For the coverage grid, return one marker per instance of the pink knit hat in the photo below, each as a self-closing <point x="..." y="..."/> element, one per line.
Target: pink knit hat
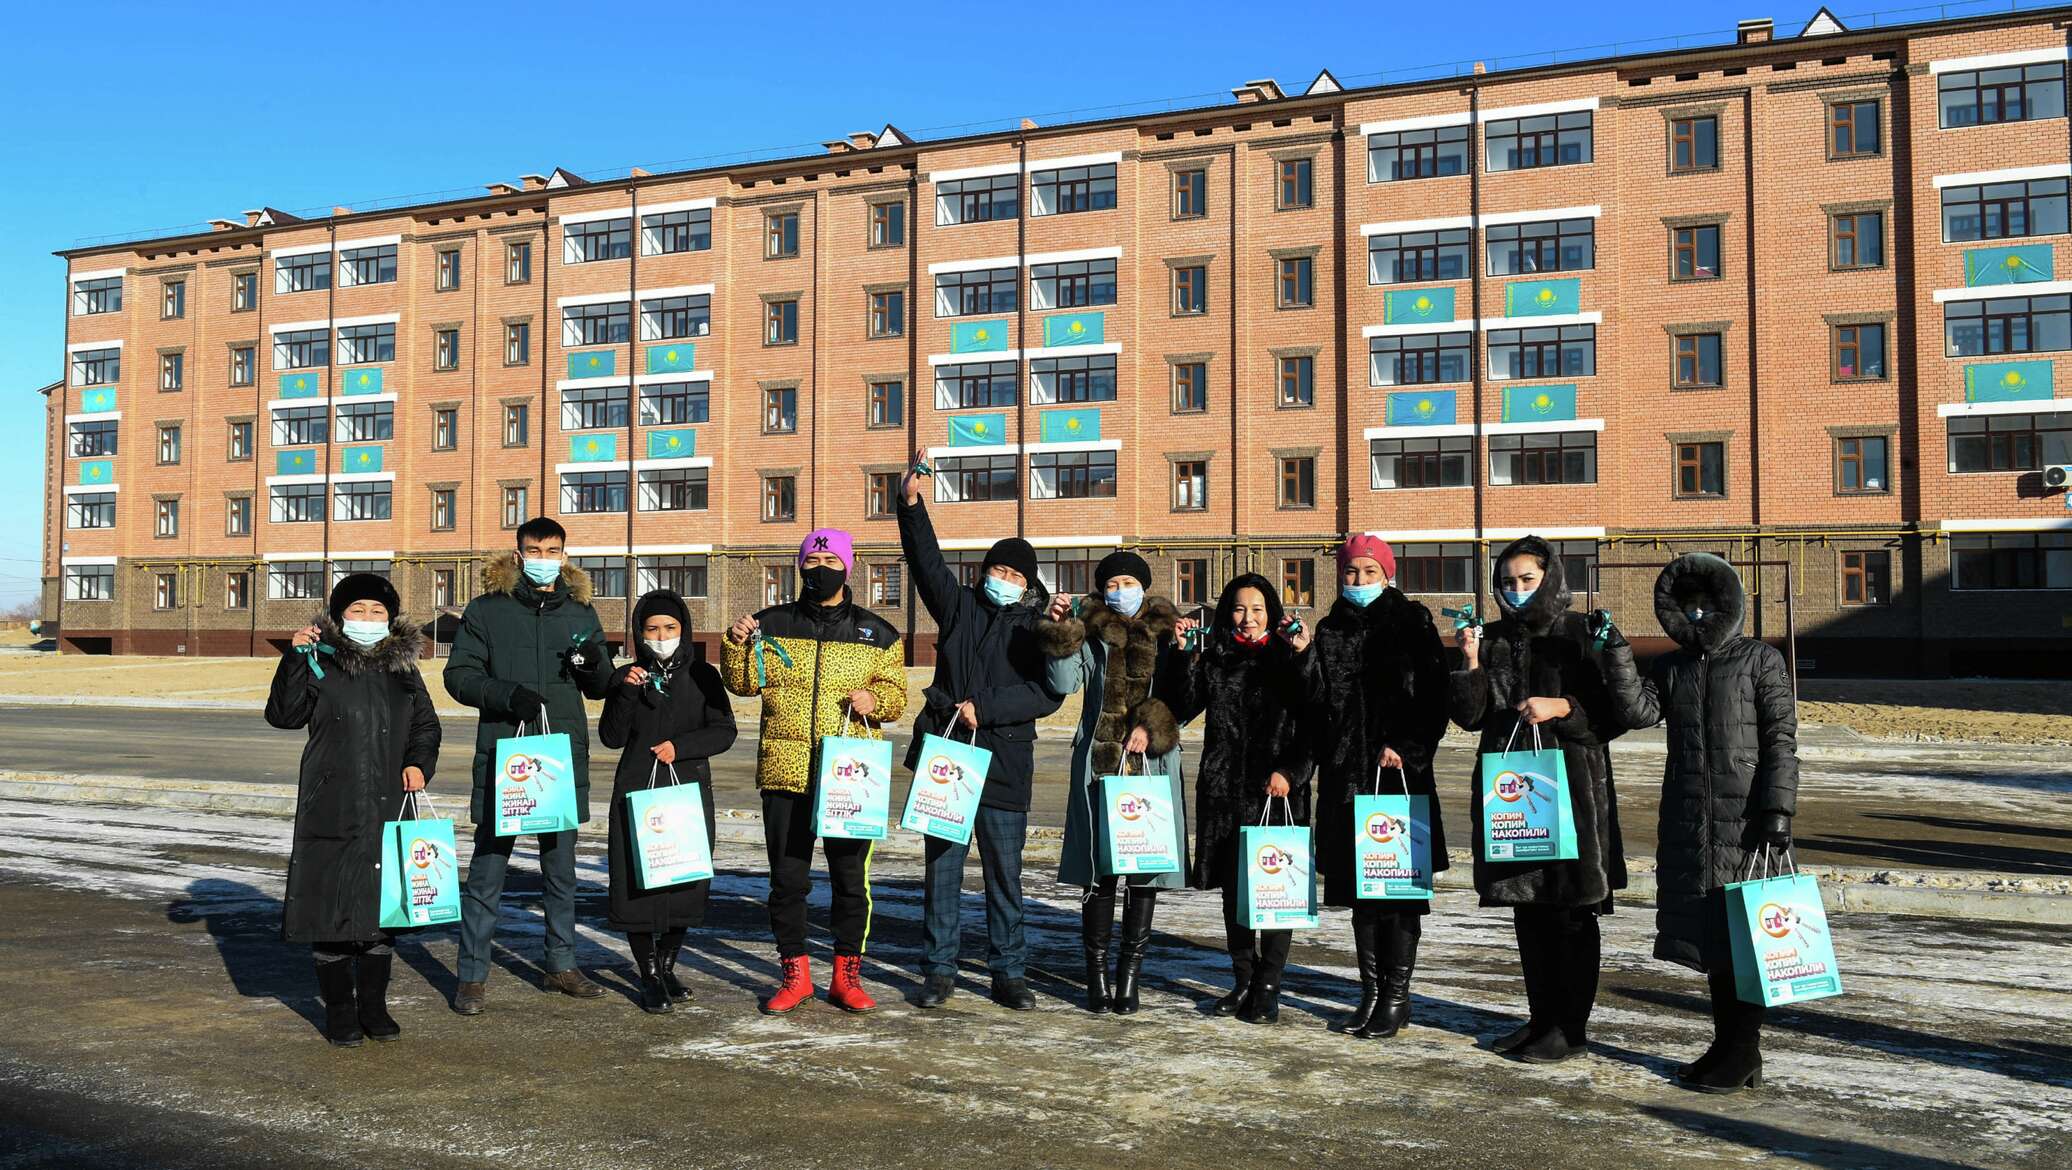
<point x="1365" y="545"/>
<point x="829" y="540"/>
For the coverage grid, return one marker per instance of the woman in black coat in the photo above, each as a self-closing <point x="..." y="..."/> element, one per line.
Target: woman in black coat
<point x="350" y="676"/>
<point x="670" y="715"/>
<point x="1247" y="680"/>
<point x="1377" y="688"/>
<point x="1730" y="785"/>
<point x="1537" y="667"/>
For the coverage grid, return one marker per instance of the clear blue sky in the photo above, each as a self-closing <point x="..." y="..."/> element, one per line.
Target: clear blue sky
<point x="140" y="116"/>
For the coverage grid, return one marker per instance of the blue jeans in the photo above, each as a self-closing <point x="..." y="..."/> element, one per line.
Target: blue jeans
<point x="1000" y="833"/>
<point x="484" y="891"/>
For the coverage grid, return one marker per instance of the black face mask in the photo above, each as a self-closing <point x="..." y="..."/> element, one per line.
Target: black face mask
<point x="821" y="582"/>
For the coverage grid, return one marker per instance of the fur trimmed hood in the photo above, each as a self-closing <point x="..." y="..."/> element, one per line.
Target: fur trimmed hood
<point x="1549" y="601"/>
<point x="502" y="573"/>
<point x="397" y="653"/>
<point x="1703" y="581"/>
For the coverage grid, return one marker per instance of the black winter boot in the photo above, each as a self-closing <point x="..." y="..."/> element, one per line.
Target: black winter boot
<point x="666" y="950"/>
<point x="1580" y="962"/>
<point x="341" y="1012"/>
<point x="1720" y="984"/>
<point x="1136" y="939"/>
<point x="1739" y="1064"/>
<point x="1263" y="1005"/>
<point x="1536" y="960"/>
<point x="370" y="984"/>
<point x="1398" y="964"/>
<point x="1243" y="944"/>
<point x="1366" y="949"/>
<point x="1096" y="928"/>
<point x="654" y="998"/>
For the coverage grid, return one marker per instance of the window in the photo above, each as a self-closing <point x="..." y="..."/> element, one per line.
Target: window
<point x="446" y="349"/>
<point x="1565" y="245"/>
<point x="341" y="569"/>
<point x="592" y="408"/>
<point x="1298" y="583"/>
<point x="517" y="343"/>
<point x="239" y="447"/>
<point x="780" y="585"/>
<point x="96" y="367"/>
<point x="1068" y="570"/>
<point x="442" y="588"/>
<point x="974" y="478"/>
<point x="366" y="422"/>
<point x="1695" y="358"/>
<point x="301" y="349"/>
<point x="674" y="403"/>
<point x="1298" y="481"/>
<point x="237" y="590"/>
<point x="1294" y="188"/>
<point x="516" y="416"/>
<point x="888" y="224"/>
<point x="781" y="235"/>
<point x="1421" y="463"/>
<point x="1701" y="469"/>
<point x="1295" y="285"/>
<point x="675" y="489"/>
<point x="515" y="508"/>
<point x="89" y="582"/>
<point x="168" y="518"/>
<point x="1694" y="252"/>
<point x="366" y="343"/>
<point x="781" y="323"/>
<point x="2007" y="325"/>
<point x="244" y="292"/>
<point x="362" y="501"/>
<point x="606" y="324"/>
<point x="1076" y="285"/>
<point x="780" y="410"/>
<point x="2009" y="442"/>
<point x="1552" y="457"/>
<point x="91" y="298"/>
<point x="172" y="370"/>
<point x="977" y="200"/>
<point x="1859" y="240"/>
<point x="1072" y="475"/>
<point x="377" y="265"/>
<point x="1417" y="154"/>
<point x="2012" y="561"/>
<point x="598" y="239"/>
<point x="1073" y="379"/>
<point x="683" y="574"/>
<point x="518" y="262"/>
<point x="887" y="404"/>
<point x="169" y="443"/>
<point x="166" y="591"/>
<point x="1564" y="351"/>
<point x="1072" y="189"/>
<point x="669" y="232"/>
<point x="90" y="510"/>
<point x="780" y="497"/>
<point x="243" y="366"/>
<point x="1298" y="381"/>
<point x="1859" y="352"/>
<point x="880" y="494"/>
<point x="2018" y="93"/>
<point x="1190" y="485"/>
<point x="1417" y="256"/>
<point x="1191" y="581"/>
<point x="237" y="516"/>
<point x="1998" y="211"/>
<point x="173" y="303"/>
<point x="975" y="292"/>
<point x="1852" y="129"/>
<point x="975" y="384"/>
<point x="1190" y="387"/>
<point x="1860" y="465"/>
<point x="90" y="439"/>
<point x="1190" y="290"/>
<point x="309" y="272"/>
<point x="1190" y="194"/>
<point x="886" y="585"/>
<point x="607" y="574"/>
<point x="447" y="274"/>
<point x="300" y="425"/>
<point x="445" y="428"/>
<point x="1550" y="140"/>
<point x="295" y="581"/>
<point x="1418" y="358"/>
<point x="1867" y="578"/>
<point x="1693" y="144"/>
<point x="593" y="491"/>
<point x="1436" y="568"/>
<point x="888" y="314"/>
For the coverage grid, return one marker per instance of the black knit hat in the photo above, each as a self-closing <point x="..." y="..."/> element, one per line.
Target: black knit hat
<point x="364" y="587"/>
<point x="1014" y="553"/>
<point x="661" y="601"/>
<point x="1122" y="562"/>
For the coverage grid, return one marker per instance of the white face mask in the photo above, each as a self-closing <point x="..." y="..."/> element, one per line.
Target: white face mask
<point x="664" y="648"/>
<point x="364" y="633"/>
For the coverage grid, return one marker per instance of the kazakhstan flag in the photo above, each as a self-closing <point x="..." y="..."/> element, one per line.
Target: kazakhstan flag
<point x="1069" y="426"/>
<point x="1543" y="298"/>
<point x="2007" y="381"/>
<point x="978" y="430"/>
<point x="1409" y="306"/>
<point x="2024" y="264"/>
<point x="1539" y="403"/>
<point x="593" y="448"/>
<point x="1075" y="329"/>
<point x="677" y="444"/>
<point x="97" y="471"/>
<point x="97" y="401"/>
<point x="301" y="461"/>
<point x="671" y="358"/>
<point x="367" y="381"/>
<point x="978" y="336"/>
<point x="359" y="459"/>
<point x="600" y="363"/>
<point x="303" y="385"/>
<point x="1409" y="408"/>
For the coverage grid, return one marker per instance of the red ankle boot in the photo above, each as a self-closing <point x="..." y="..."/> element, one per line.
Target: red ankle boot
<point x="796" y="989"/>
<point x="846" y="992"/>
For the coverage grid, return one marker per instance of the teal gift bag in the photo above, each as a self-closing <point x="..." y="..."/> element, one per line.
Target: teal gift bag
<point x="420" y="873"/>
<point x="670" y="846"/>
<point x="943" y="801"/>
<point x="852" y="796"/>
<point x="1526" y="814"/>
<point x="1392" y="844"/>
<point x="535" y="783"/>
<point x="1135" y="828"/>
<point x="1277" y="873"/>
<point x="1777" y="928"/>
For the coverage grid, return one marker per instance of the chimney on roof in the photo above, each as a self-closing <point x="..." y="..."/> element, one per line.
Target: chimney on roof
<point x="637" y="173"/>
<point x="1265" y="89"/>
<point x="863" y="140"/>
<point x="502" y="189"/>
<point x="1028" y="123"/>
<point x="838" y="146"/>
<point x="1480" y="68"/>
<point x="222" y="225"/>
<point x="533" y="182"/>
<point x="1754" y="32"/>
<point x="337" y="210"/>
<point x="252" y="215"/>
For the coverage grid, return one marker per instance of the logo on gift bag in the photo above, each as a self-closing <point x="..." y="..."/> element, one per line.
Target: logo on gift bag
<point x="1273" y="859"/>
<point x="1511" y="787"/>
<point x="1383" y="829"/>
<point x="423" y="853"/>
<point x="524" y="769"/>
<point x="944" y="770"/>
<point x="851" y="769"/>
<point x="1131" y="806"/>
<point x="658" y="819"/>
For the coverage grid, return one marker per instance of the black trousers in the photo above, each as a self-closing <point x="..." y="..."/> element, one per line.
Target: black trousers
<point x="1260" y="952"/>
<point x="788" y="832"/>
<point x="1558" y="952"/>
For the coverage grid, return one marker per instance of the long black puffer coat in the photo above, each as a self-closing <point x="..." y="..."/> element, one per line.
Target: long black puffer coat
<point x="1733" y="749"/>
<point x="1544" y="651"/>
<point x="368" y="718"/>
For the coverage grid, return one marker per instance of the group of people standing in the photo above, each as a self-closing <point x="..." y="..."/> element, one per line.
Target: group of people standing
<point x="1297" y="724"/>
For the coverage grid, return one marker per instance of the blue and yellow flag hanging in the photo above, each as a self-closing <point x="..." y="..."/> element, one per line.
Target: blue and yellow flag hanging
<point x="673" y="357"/>
<point x="1410" y="408"/>
<point x="593" y="448"/>
<point x="2021" y="264"/>
<point x="978" y="336"/>
<point x="97" y="471"/>
<point x="355" y="460"/>
<point x="600" y="363"/>
<point x="1543" y="298"/>
<point x="100" y="401"/>
<point x="1069" y="426"/>
<point x="673" y="444"/>
<point x="367" y="381"/>
<point x="2007" y="381"/>
<point x="1539" y="403"/>
<point x="302" y="385"/>
<point x="300" y="461"/>
<point x="1075" y="329"/>
<point x="978" y="430"/>
<point x="1410" y="306"/>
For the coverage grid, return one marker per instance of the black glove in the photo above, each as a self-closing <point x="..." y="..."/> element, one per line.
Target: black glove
<point x="527" y="704"/>
<point x="1772" y="829"/>
<point x="578" y="659"/>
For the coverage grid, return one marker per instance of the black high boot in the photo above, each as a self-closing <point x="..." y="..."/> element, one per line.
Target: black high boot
<point x="1263" y="1005"/>
<point x="1365" y="947"/>
<point x="1736" y="1059"/>
<point x="654" y="998"/>
<point x="1398" y="942"/>
<point x="370" y="983"/>
<point x="341" y="1011"/>
<point x="1581" y="962"/>
<point x="1720" y="984"/>
<point x="1096" y="927"/>
<point x="1535" y="961"/>
<point x="1243" y="944"/>
<point x="1136" y="939"/>
<point x="666" y="949"/>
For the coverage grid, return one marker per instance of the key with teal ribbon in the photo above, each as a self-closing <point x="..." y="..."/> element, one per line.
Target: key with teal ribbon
<point x="1463" y="619"/>
<point x="1601" y="628"/>
<point x="311" y="652"/>
<point x="761" y="672"/>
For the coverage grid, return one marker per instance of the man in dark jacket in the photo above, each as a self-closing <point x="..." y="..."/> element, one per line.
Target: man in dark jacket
<point x="530" y="648"/>
<point x="1730" y="784"/>
<point x="988" y="684"/>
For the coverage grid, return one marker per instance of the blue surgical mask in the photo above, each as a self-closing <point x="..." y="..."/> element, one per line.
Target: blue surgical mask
<point x="1517" y="600"/>
<point x="542" y="570"/>
<point x="1695" y="614"/>
<point x="1003" y="593"/>
<point x="1126" y="600"/>
<point x="365" y="633"/>
<point x="1362" y="595"/>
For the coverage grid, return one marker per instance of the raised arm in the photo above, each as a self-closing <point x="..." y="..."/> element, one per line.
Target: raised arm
<point x="937" y="586"/>
<point x="293" y="697"/>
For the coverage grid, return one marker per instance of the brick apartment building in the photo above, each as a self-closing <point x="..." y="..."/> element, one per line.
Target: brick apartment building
<point x="1746" y="298"/>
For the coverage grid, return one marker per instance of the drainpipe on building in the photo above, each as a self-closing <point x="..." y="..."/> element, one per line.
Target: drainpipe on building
<point x="254" y="585"/>
<point x="57" y="489"/>
<point x="1479" y="444"/>
<point x="1755" y="433"/>
<point x="636" y="241"/>
<point x="1024" y="474"/>
<point x="330" y="400"/>
<point x="913" y="371"/>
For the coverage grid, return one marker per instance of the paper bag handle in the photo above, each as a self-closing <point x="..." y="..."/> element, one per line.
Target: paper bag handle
<point x="652" y="772"/>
